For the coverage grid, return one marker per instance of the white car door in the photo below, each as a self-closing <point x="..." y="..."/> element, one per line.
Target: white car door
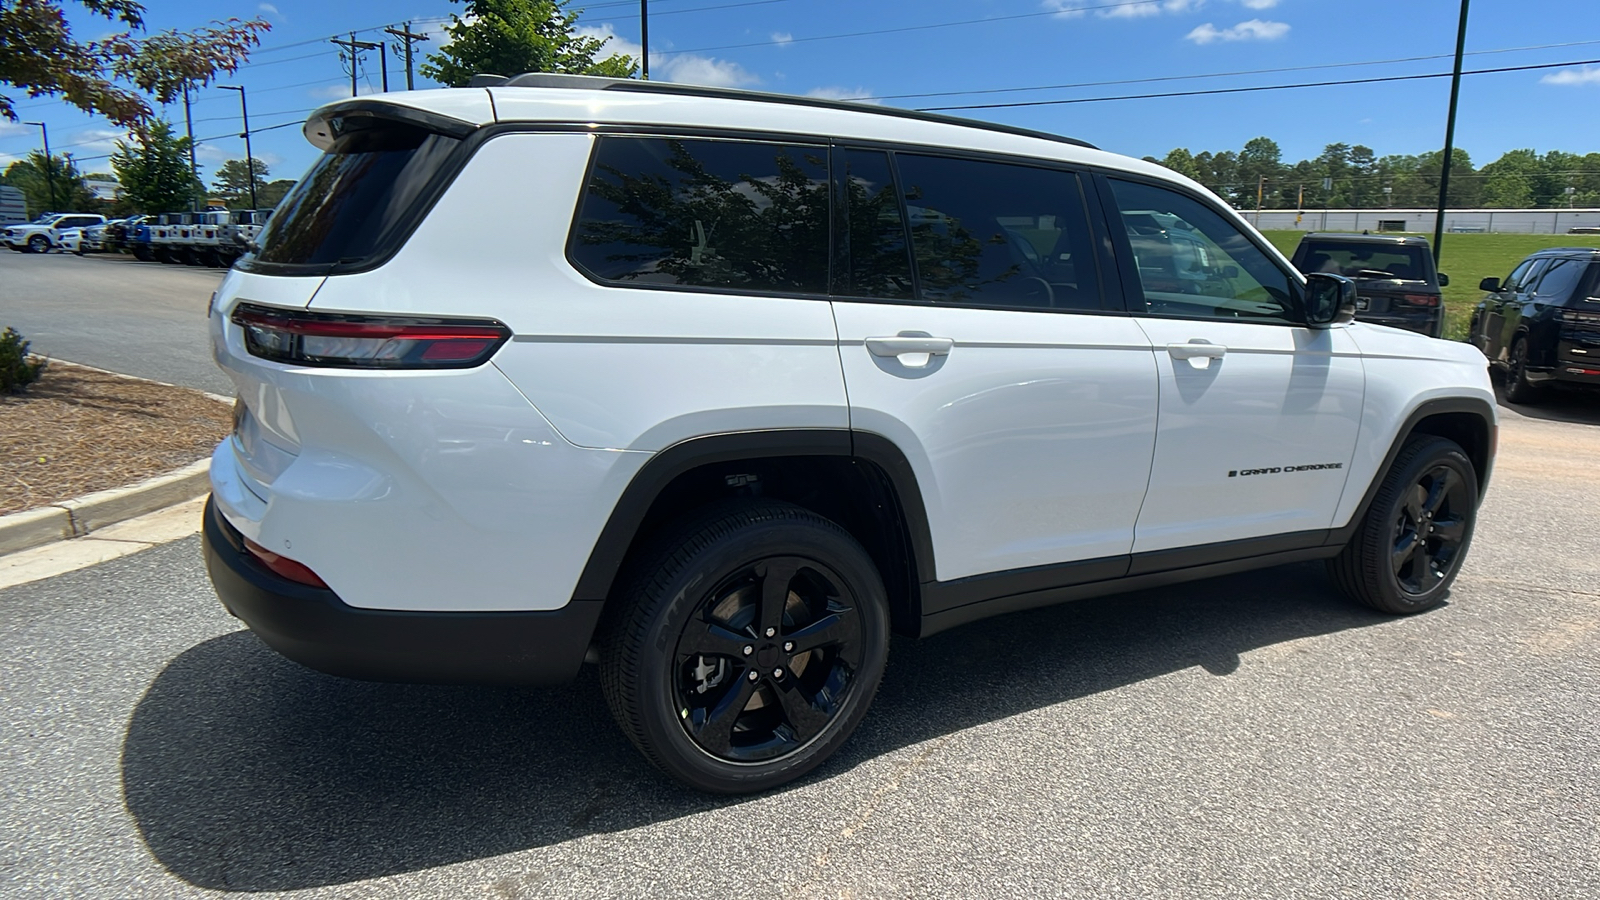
<point x="1259" y="413"/>
<point x="1025" y="407"/>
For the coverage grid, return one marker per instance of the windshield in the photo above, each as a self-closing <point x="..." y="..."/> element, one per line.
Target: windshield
<point x="1353" y="260"/>
<point x="357" y="196"/>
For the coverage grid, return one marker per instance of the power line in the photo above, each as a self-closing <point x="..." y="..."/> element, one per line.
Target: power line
<point x="1163" y="78"/>
<point x="1255" y="88"/>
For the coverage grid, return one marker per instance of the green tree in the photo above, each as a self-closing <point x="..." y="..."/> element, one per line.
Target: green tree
<point x="50" y="185"/>
<point x="509" y="37"/>
<point x="112" y="75"/>
<point x="1182" y="161"/>
<point x="1260" y="162"/>
<point x="154" y="171"/>
<point x="267" y="196"/>
<point x="232" y="181"/>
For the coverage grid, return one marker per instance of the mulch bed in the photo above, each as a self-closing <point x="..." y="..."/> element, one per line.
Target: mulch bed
<point x="76" y="431"/>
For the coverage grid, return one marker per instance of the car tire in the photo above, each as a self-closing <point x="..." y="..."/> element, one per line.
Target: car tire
<point x="1518" y="388"/>
<point x="38" y="244"/>
<point x="1409" y="546"/>
<point x="729" y="680"/>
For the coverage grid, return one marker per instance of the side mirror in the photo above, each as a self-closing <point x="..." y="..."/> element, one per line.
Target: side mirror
<point x="1444" y="280"/>
<point x="1330" y="300"/>
<point x="1230" y="272"/>
<point x="1489" y="284"/>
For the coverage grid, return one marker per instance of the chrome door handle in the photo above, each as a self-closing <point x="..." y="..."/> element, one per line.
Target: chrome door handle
<point x="1197" y="348"/>
<point x="906" y="343"/>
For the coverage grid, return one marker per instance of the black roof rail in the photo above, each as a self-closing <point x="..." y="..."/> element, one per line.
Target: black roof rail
<point x="600" y="83"/>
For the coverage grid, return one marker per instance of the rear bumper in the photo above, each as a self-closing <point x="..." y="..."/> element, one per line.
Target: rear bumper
<point x="1428" y="323"/>
<point x="317" y="629"/>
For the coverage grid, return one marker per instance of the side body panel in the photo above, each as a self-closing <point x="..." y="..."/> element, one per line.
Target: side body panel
<point x="1255" y="443"/>
<point x="1031" y="439"/>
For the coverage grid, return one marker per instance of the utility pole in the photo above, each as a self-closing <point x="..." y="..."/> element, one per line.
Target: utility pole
<point x="383" y="64"/>
<point x="188" y="127"/>
<point x="1261" y="189"/>
<point x="644" y="36"/>
<point x="249" y="158"/>
<point x="49" y="165"/>
<point x="354" y="48"/>
<point x="405" y="34"/>
<point x="1450" y="133"/>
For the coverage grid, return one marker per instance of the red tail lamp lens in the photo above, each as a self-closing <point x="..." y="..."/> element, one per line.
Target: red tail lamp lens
<point x="1422" y="299"/>
<point x="367" y="342"/>
<point x="284" y="566"/>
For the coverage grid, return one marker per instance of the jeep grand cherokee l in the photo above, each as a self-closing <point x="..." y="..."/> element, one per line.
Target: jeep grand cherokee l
<point x="768" y="378"/>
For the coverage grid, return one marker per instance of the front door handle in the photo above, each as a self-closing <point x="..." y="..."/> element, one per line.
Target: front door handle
<point x="904" y="343"/>
<point x="1197" y="348"/>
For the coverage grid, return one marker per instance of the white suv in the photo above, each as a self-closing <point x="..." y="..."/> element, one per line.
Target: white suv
<point x="766" y="379"/>
<point x="44" y="233"/>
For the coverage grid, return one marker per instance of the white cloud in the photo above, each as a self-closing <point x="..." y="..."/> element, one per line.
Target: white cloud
<point x="682" y="68"/>
<point x="1121" y="9"/>
<point x="1252" y="30"/>
<point x="269" y="9"/>
<point x="839" y="93"/>
<point x="339" y="91"/>
<point x="1585" y="75"/>
<point x="782" y="37"/>
<point x="1258" y="4"/>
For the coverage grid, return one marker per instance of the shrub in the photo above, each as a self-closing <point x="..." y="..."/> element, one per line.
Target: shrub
<point x="17" y="370"/>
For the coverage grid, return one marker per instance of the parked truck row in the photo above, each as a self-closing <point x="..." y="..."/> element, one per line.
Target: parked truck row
<point x="214" y="237"/>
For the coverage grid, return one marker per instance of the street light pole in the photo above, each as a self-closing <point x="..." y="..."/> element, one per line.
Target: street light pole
<point x="49" y="165"/>
<point x="644" y="36"/>
<point x="249" y="158"/>
<point x="1450" y="133"/>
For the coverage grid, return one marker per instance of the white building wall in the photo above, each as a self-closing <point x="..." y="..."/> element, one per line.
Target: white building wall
<point x="1512" y="221"/>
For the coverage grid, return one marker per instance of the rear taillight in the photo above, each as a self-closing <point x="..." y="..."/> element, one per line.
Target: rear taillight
<point x="1578" y="317"/>
<point x="367" y="342"/>
<point x="284" y="566"/>
<point x="1422" y="299"/>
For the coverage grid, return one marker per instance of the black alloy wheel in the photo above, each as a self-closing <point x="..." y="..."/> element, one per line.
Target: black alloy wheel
<point x="1409" y="546"/>
<point x="1518" y="388"/>
<point x="1430" y="529"/>
<point x="768" y="659"/>
<point x="38" y="244"/>
<point x="746" y="647"/>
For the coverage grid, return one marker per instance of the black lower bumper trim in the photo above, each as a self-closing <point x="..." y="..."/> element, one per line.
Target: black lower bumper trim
<point x="315" y="628"/>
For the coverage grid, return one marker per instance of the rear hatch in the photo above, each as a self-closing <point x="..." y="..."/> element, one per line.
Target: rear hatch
<point x="1391" y="278"/>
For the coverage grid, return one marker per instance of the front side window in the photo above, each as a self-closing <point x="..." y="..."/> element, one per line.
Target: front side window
<point x="1193" y="263"/>
<point x="1517" y="274"/>
<point x="733" y="215"/>
<point x="996" y="234"/>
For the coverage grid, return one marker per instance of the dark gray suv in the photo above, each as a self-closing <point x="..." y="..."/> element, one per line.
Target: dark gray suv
<point x="1396" y="284"/>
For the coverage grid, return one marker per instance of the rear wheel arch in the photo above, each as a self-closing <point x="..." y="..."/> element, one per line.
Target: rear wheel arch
<point x="860" y="481"/>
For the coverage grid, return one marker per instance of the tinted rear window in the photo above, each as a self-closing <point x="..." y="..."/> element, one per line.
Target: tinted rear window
<point x="357" y="196"/>
<point x="1366" y="260"/>
<point x="735" y="215"/>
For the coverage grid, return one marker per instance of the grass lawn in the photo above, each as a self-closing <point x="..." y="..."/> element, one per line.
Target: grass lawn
<point x="1468" y="259"/>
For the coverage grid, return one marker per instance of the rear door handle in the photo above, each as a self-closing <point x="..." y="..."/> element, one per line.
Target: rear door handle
<point x="1197" y="348"/>
<point x="909" y="343"/>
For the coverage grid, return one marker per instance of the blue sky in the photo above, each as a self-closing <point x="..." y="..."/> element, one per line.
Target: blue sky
<point x="793" y="46"/>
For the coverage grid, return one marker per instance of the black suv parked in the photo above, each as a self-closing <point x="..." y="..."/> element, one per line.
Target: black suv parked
<point x="1542" y="323"/>
<point x="1396" y="283"/>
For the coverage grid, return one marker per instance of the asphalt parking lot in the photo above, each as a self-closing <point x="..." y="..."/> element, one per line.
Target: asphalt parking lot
<point x="1250" y="736"/>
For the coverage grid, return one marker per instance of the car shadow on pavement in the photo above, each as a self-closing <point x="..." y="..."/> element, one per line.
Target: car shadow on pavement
<point x="1574" y="406"/>
<point x="247" y="772"/>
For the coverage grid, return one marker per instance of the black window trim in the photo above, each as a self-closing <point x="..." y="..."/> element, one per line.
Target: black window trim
<point x="1133" y="288"/>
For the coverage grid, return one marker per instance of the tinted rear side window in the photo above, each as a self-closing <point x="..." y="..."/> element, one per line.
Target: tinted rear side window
<point x="357" y="197"/>
<point x="996" y="234"/>
<point x="734" y="215"/>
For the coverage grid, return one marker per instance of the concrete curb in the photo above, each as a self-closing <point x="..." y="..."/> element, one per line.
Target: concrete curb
<point x="82" y="515"/>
